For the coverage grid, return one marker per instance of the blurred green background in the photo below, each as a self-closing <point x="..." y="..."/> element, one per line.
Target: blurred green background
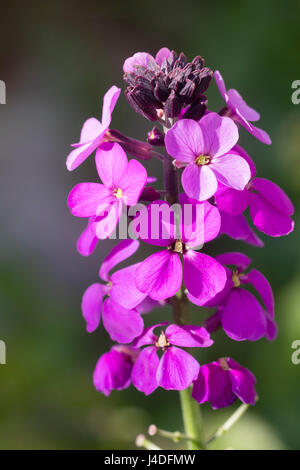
<point x="57" y="59"/>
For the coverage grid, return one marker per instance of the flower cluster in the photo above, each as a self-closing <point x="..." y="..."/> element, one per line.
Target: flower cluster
<point x="219" y="184"/>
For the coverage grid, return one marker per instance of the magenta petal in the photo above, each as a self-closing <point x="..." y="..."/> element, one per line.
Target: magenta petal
<point x="162" y="55"/>
<point x="268" y="219"/>
<point x="123" y="325"/>
<point x="237" y="102"/>
<point x="148" y="336"/>
<point x="132" y="182"/>
<point x="258" y="133"/>
<point x="91" y="129"/>
<point x="235" y="258"/>
<point x="185" y="140"/>
<point x="201" y="223"/>
<point x="87" y="241"/>
<point x="262" y="285"/>
<point x="237" y="227"/>
<point x="220" y="84"/>
<point x="91" y="305"/>
<point x="231" y="170"/>
<point x="144" y="371"/>
<point x="273" y="194"/>
<point x="177" y="369"/>
<point x="243" y="382"/>
<point x="108" y="218"/>
<point x="124" y="290"/>
<point x="160" y="275"/>
<point x="82" y="152"/>
<point x="199" y="182"/>
<point x="220" y="134"/>
<point x="243" y="317"/>
<point x="188" y="336"/>
<point x="112" y="372"/>
<point x="242" y="152"/>
<point x="109" y="102"/>
<point x="85" y="199"/>
<point x="156" y="224"/>
<point x="139" y="58"/>
<point x="214" y="385"/>
<point x="119" y="253"/>
<point x="111" y="163"/>
<point x="204" y="277"/>
<point x="231" y="200"/>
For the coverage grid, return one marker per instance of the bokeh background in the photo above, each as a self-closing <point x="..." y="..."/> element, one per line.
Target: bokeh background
<point x="57" y="59"/>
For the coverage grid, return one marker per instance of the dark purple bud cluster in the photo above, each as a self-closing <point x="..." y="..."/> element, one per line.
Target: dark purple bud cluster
<point x="169" y="88"/>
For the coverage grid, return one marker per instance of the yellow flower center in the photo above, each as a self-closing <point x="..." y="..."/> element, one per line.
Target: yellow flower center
<point x="202" y="160"/>
<point x="223" y="363"/>
<point x="162" y="341"/>
<point x="236" y="279"/>
<point x="118" y="193"/>
<point x="178" y="247"/>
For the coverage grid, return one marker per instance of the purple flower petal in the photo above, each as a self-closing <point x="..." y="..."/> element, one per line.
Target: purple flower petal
<point x="242" y="152"/>
<point x="139" y="58"/>
<point x="220" y="134"/>
<point x="268" y="219"/>
<point x="235" y="258"/>
<point x="260" y="134"/>
<point x="177" y="369"/>
<point x="87" y="241"/>
<point x="199" y="182"/>
<point x="236" y="102"/>
<point x="119" y="253"/>
<point x="231" y="201"/>
<point x="124" y="290"/>
<point x="185" y="141"/>
<point x="220" y="298"/>
<point x="111" y="163"/>
<point x="77" y="156"/>
<point x="113" y="371"/>
<point x="231" y="170"/>
<point x="237" y="227"/>
<point x="243" y="382"/>
<point x="160" y="275"/>
<point x="123" y="325"/>
<point x="243" y="317"/>
<point x="91" y="129"/>
<point x="188" y="336"/>
<point x="148" y="336"/>
<point x="204" y="277"/>
<point x="221" y="85"/>
<point x="85" y="199"/>
<point x="109" y="102"/>
<point x="162" y="55"/>
<point x="145" y="370"/>
<point x="202" y="222"/>
<point x="91" y="305"/>
<point x="132" y="182"/>
<point x="213" y="385"/>
<point x="273" y="194"/>
<point x="262" y="285"/>
<point x="108" y="218"/>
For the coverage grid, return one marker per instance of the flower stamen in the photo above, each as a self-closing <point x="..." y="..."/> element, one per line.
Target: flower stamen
<point x="202" y="160"/>
<point x="118" y="193"/>
<point x="162" y="341"/>
<point x="236" y="279"/>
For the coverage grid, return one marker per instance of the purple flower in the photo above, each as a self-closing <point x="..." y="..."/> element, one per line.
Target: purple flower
<point x="113" y="369"/>
<point x="119" y="310"/>
<point x="160" y="275"/>
<point x="205" y="148"/>
<point x="241" y="315"/>
<point x="222" y="382"/>
<point x="145" y="59"/>
<point x="270" y="208"/>
<point x="93" y="131"/>
<point x="176" y="369"/>
<point x="239" y="111"/>
<point x="123" y="183"/>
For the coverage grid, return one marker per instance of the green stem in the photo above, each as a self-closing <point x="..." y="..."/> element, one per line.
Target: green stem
<point x="190" y="409"/>
<point x="229" y="423"/>
<point x="192" y="420"/>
